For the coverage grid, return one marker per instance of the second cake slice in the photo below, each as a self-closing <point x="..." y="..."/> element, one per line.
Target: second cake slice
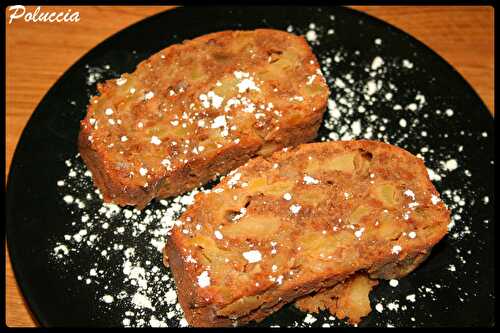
<point x="302" y="221"/>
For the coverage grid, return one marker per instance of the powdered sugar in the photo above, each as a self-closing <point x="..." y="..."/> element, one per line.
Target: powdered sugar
<point x="308" y="180"/>
<point x="252" y="256"/>
<point x="295" y="208"/>
<point x="309" y="319"/>
<point x="396" y="249"/>
<point x="148" y="95"/>
<point x="203" y="279"/>
<point x="218" y="234"/>
<point x="142" y="288"/>
<point x="155" y="140"/>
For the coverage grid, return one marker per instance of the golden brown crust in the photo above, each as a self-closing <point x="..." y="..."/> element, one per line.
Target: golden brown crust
<point x="348" y="299"/>
<point x="300" y="221"/>
<point x="198" y="109"/>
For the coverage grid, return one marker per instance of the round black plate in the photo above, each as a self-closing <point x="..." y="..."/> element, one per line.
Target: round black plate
<point x="450" y="127"/>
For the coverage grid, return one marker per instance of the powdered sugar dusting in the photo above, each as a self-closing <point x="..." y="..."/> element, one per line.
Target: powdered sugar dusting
<point x="252" y="256"/>
<point x="141" y="289"/>
<point x="203" y="279"/>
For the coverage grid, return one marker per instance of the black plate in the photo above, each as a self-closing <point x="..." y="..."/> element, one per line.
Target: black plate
<point x="453" y="288"/>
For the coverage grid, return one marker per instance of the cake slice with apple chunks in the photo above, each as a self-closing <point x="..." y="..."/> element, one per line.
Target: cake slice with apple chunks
<point x="300" y="222"/>
<point x="199" y="109"/>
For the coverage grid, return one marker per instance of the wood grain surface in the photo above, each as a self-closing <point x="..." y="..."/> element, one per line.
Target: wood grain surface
<point x="37" y="55"/>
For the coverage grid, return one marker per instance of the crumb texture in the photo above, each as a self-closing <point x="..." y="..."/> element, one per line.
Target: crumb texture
<point x="348" y="299"/>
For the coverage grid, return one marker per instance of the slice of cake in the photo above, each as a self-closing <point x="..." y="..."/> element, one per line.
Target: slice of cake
<point x="199" y="109"/>
<point x="300" y="222"/>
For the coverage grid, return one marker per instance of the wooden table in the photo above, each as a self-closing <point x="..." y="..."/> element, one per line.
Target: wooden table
<point x="39" y="53"/>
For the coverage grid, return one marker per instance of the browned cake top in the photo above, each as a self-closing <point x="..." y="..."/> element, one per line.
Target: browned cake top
<point x="191" y="100"/>
<point x="319" y="210"/>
